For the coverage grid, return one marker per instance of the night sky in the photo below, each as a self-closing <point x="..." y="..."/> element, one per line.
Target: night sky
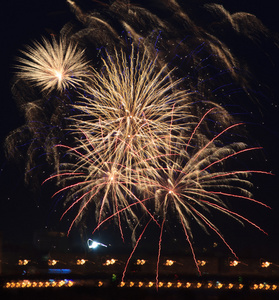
<point x="22" y="213"/>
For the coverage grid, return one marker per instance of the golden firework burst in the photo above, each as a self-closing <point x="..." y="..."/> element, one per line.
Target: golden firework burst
<point x="53" y="65"/>
<point x="135" y="147"/>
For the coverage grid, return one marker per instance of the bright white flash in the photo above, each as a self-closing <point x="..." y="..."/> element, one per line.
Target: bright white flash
<point x="59" y="75"/>
<point x="93" y="244"/>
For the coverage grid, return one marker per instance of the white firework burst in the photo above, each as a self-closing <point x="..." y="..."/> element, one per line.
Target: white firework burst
<point x="53" y="65"/>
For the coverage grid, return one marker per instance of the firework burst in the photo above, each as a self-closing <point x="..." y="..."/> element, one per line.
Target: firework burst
<point x="133" y="113"/>
<point x="190" y="188"/>
<point x="135" y="151"/>
<point x="184" y="187"/>
<point x="139" y="140"/>
<point x="132" y="117"/>
<point x="53" y="65"/>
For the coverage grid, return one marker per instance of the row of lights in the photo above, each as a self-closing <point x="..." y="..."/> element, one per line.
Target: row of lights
<point x="187" y="285"/>
<point x="130" y="284"/>
<point x="168" y="262"/>
<point x="234" y="263"/>
<point x="79" y="262"/>
<point x="264" y="286"/>
<point x="38" y="284"/>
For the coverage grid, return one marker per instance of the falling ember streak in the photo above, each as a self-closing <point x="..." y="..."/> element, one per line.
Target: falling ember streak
<point x="170" y="136"/>
<point x="238" y="196"/>
<point x="233" y="213"/>
<point x="230" y="155"/>
<point x="134" y="249"/>
<point x="214" y="229"/>
<point x="61" y="174"/>
<point x="241" y="172"/>
<point x="191" y="246"/>
<point x="87" y="138"/>
<point x="197" y="126"/>
<point x="119" y="219"/>
<point x="69" y="187"/>
<point x="102" y="205"/>
<point x="74" y="203"/>
<point x="118" y="212"/>
<point x="146" y="210"/>
<point x="74" y="150"/>
<point x="159" y="253"/>
<point x="80" y="211"/>
<point x="212" y="140"/>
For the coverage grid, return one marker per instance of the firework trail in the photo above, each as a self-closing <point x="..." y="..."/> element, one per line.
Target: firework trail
<point x="129" y="114"/>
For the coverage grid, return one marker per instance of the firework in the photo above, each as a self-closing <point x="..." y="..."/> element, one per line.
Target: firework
<point x="132" y="125"/>
<point x="189" y="189"/>
<point x="135" y="154"/>
<point x="133" y="112"/>
<point x="189" y="186"/>
<point x="132" y="118"/>
<point x="53" y="65"/>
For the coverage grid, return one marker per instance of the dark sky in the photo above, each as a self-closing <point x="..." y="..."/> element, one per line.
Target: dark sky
<point x="22" y="21"/>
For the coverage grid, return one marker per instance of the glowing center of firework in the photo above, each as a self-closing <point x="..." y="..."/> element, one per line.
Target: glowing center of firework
<point x="93" y="244"/>
<point x="111" y="176"/>
<point x="170" y="191"/>
<point x="59" y="75"/>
